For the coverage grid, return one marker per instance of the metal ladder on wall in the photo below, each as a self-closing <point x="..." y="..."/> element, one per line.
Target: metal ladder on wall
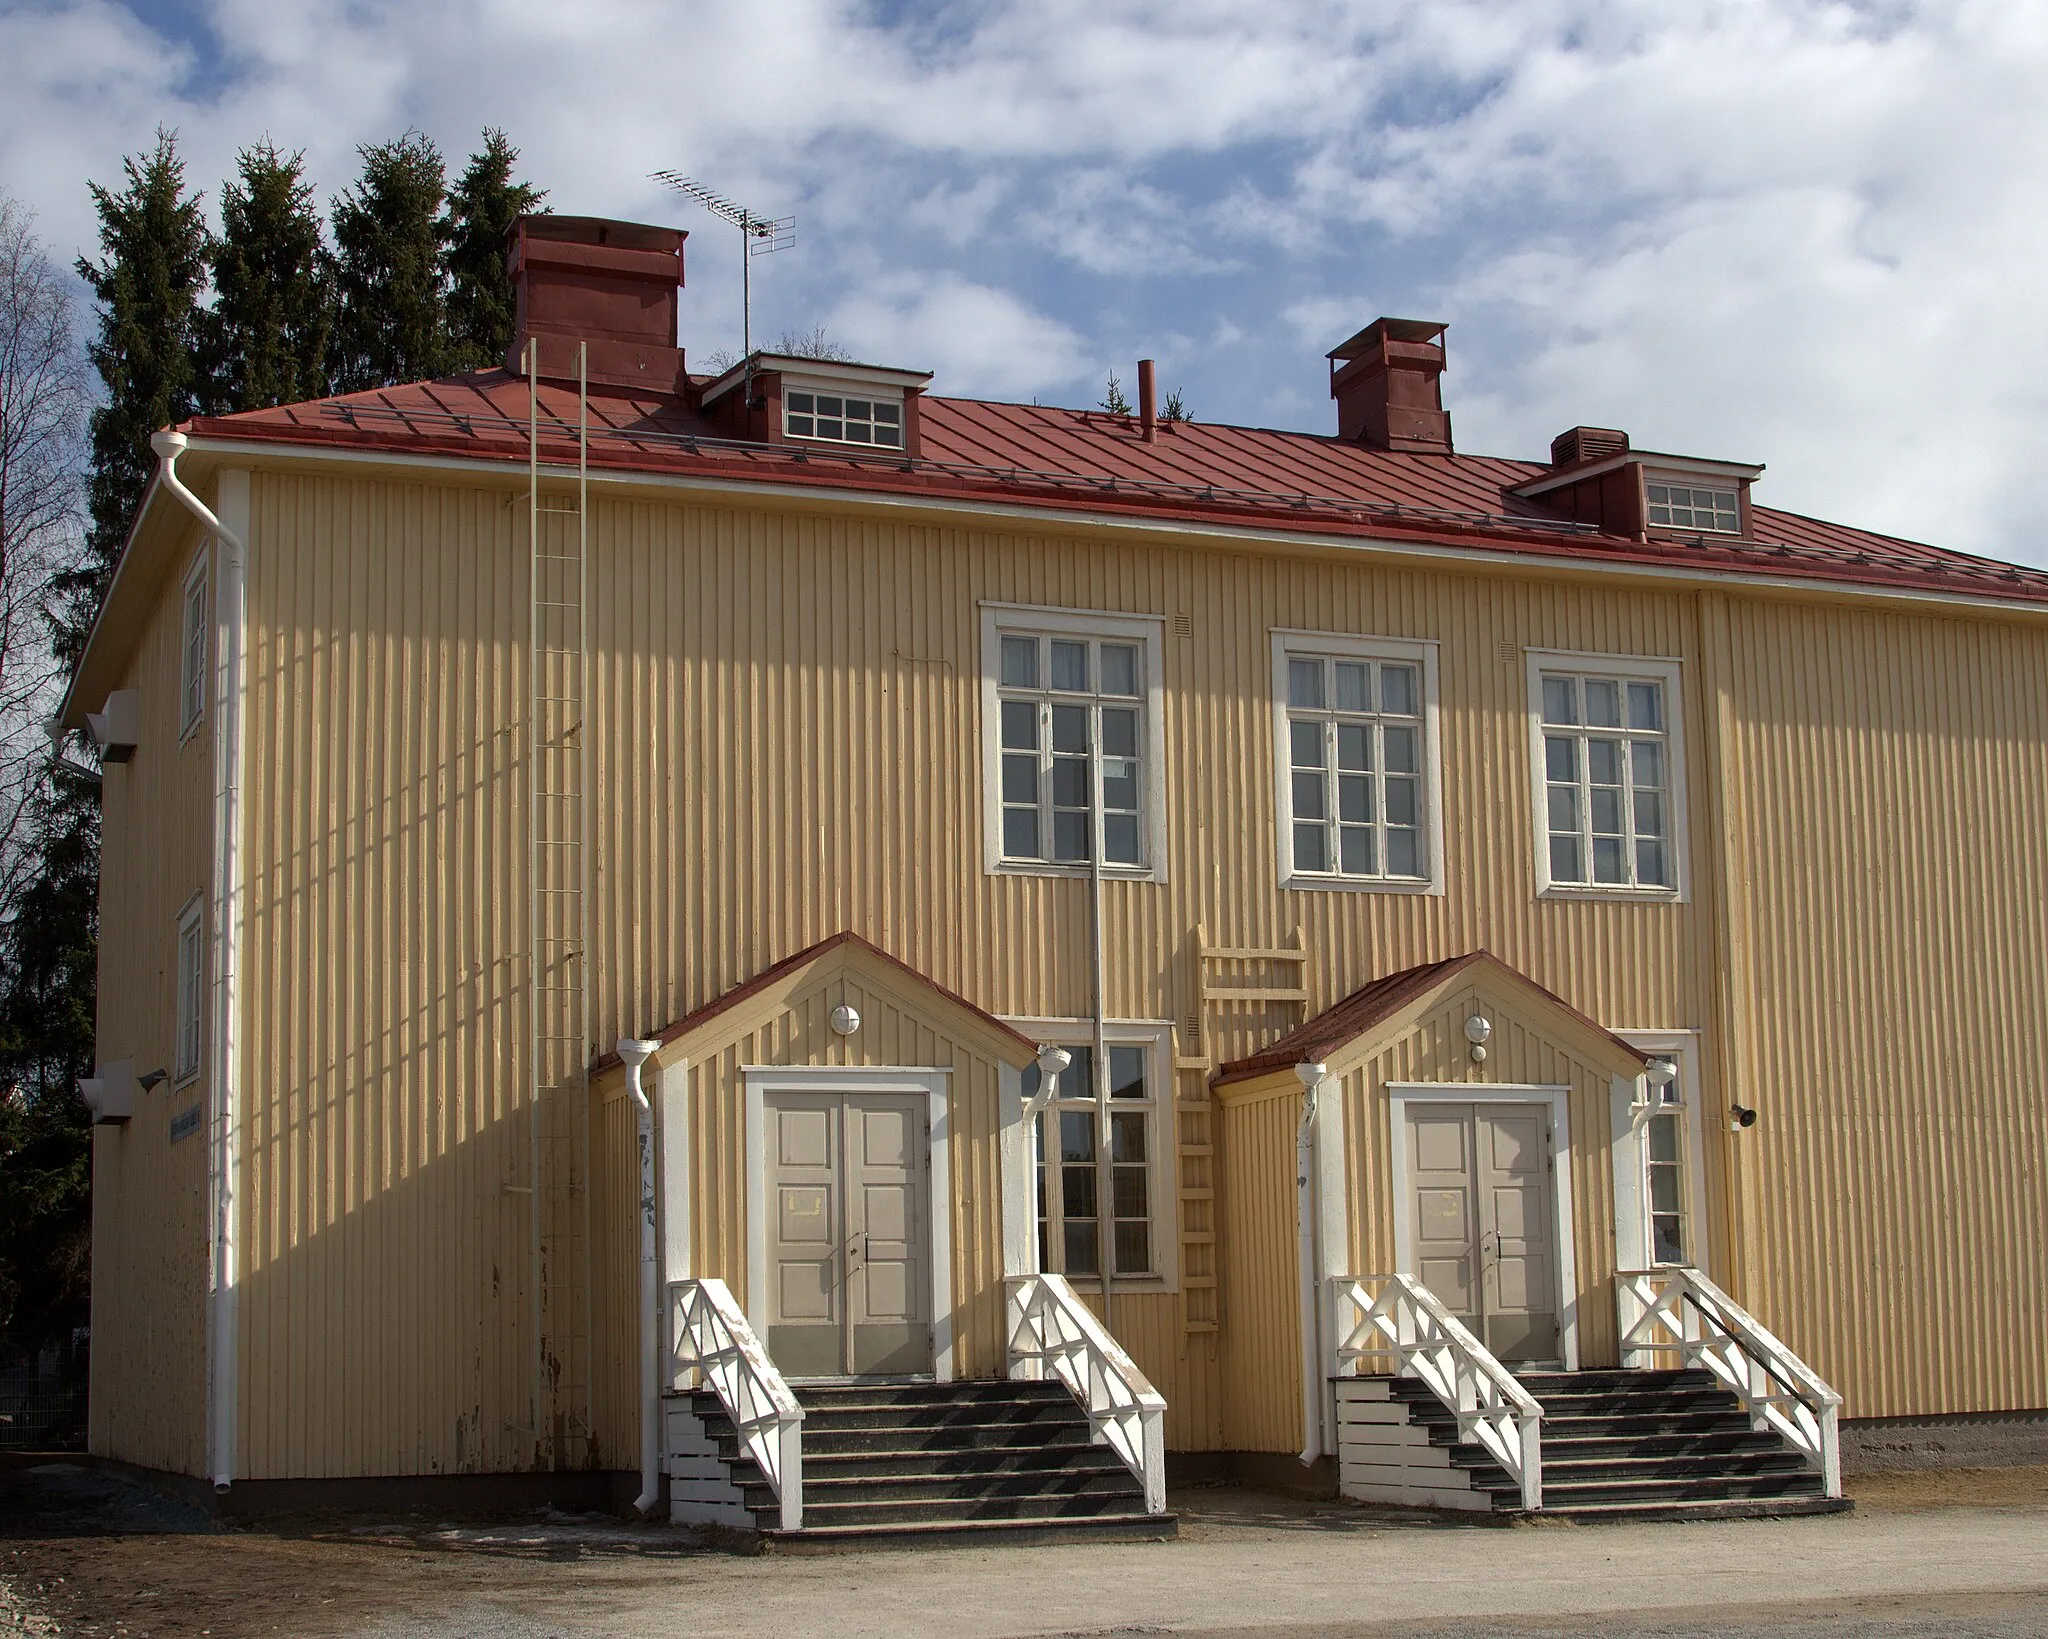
<point x="558" y="929"/>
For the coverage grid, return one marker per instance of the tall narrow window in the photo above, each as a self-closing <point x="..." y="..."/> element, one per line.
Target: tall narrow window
<point x="1608" y="776"/>
<point x="1665" y="1179"/>
<point x="1074" y="732"/>
<point x="193" y="650"/>
<point x="1098" y="1183"/>
<point x="191" y="988"/>
<point x="1358" y="766"/>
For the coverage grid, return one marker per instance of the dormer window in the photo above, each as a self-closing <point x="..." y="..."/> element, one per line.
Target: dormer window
<point x="1685" y="506"/>
<point x="843" y="419"/>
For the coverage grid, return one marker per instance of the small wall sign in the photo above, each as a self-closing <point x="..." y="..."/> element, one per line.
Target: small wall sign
<point x="185" y="1123"/>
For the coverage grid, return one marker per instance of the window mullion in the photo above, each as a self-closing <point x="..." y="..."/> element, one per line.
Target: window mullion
<point x="1585" y="783"/>
<point x="1628" y="809"/>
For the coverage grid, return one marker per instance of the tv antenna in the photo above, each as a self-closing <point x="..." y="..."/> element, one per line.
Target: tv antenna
<point x="759" y="236"/>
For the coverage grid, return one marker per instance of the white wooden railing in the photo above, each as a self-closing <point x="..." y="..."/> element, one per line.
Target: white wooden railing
<point x="707" y="1332"/>
<point x="1053" y="1334"/>
<point x="1403" y="1328"/>
<point x="1679" y="1312"/>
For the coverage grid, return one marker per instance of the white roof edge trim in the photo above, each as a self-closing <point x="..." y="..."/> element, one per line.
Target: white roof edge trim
<point x="830" y="370"/>
<point x="1592" y="569"/>
<point x="1697" y="466"/>
<point x="149" y="495"/>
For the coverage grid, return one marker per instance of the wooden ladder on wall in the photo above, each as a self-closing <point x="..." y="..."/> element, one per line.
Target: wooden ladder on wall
<point x="1227" y="977"/>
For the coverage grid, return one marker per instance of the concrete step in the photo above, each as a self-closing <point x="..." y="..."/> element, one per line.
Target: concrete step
<point x="1022" y="1531"/>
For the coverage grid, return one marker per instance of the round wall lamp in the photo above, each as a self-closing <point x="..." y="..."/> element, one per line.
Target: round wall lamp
<point x="1478" y="1031"/>
<point x="845" y="1019"/>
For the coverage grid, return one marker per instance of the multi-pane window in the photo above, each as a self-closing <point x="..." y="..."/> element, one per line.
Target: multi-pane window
<point x="1685" y="506"/>
<point x="1072" y="737"/>
<point x="1607" y="774"/>
<point x="192" y="653"/>
<point x="191" y="978"/>
<point x="846" y="420"/>
<point x="1664" y="1180"/>
<point x="1095" y="1182"/>
<point x="1355" y="767"/>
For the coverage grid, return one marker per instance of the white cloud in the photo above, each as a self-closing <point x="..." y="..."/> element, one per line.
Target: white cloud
<point x="978" y="340"/>
<point x="1801" y="231"/>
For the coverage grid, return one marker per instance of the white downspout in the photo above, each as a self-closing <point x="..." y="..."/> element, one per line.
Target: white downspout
<point x="230" y="617"/>
<point x="1311" y="1077"/>
<point x="635" y="1054"/>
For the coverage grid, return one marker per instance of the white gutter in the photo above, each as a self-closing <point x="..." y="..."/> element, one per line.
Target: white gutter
<point x="1311" y="1077"/>
<point x="230" y="616"/>
<point x="635" y="1054"/>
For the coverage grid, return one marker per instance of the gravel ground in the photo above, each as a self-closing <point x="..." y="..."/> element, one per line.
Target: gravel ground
<point x="1958" y="1553"/>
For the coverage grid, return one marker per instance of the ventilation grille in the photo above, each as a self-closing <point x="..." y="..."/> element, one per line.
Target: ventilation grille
<point x="1587" y="444"/>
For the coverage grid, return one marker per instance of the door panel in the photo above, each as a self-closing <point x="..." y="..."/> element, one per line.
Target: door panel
<point x="1518" y="1215"/>
<point x="889" y="1278"/>
<point x="1483" y="1215"/>
<point x="1440" y="1177"/>
<point x="849" y="1280"/>
<point x="806" y="1317"/>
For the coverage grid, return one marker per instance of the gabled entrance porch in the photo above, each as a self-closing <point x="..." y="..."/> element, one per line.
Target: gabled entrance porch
<point x="850" y="1336"/>
<point x="1482" y="1144"/>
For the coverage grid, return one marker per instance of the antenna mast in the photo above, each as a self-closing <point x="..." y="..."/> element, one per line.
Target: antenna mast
<point x="759" y="236"/>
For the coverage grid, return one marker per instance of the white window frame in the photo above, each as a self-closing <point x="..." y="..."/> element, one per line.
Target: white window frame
<point x="1635" y="1105"/>
<point x="1663" y="670"/>
<point x="1692" y="483"/>
<point x="1156" y="1036"/>
<point x="1288" y="643"/>
<point x="864" y="394"/>
<point x="189" y="1006"/>
<point x="1023" y="619"/>
<point x="195" y="647"/>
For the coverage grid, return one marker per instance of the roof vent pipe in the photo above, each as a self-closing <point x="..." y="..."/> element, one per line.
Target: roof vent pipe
<point x="1148" y="402"/>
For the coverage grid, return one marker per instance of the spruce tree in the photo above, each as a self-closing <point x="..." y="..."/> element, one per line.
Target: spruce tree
<point x="266" y="338"/>
<point x="151" y="273"/>
<point x="482" y="207"/>
<point x="390" y="318"/>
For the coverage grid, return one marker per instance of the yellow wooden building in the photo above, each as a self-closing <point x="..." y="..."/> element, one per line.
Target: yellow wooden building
<point x="684" y="919"/>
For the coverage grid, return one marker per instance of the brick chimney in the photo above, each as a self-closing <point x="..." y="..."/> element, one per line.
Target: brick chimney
<point x="610" y="284"/>
<point x="1384" y="380"/>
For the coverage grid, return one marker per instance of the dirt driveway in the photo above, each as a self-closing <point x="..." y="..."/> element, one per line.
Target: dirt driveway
<point x="1958" y="1552"/>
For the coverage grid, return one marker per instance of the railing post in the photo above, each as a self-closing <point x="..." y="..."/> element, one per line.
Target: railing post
<point x="790" y="1459"/>
<point x="1153" y="1421"/>
<point x="1531" y="1431"/>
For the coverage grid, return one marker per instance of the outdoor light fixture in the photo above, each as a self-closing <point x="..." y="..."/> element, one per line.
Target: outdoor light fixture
<point x="1740" y="1116"/>
<point x="845" y="1019"/>
<point x="1479" y="1031"/>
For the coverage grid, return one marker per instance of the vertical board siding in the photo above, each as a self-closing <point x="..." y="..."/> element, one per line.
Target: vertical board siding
<point x="785" y="723"/>
<point x="386" y="1307"/>
<point x="1897" y="850"/>
<point x="151" y="1225"/>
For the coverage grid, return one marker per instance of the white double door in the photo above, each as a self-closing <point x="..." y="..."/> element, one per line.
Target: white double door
<point x="849" y="1234"/>
<point x="1483" y="1220"/>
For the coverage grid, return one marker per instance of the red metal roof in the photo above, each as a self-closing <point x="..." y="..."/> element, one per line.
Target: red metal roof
<point x="1040" y="455"/>
<point x="1358" y="1012"/>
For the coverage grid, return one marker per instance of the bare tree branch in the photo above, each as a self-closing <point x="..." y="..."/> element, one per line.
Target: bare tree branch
<point x="43" y="400"/>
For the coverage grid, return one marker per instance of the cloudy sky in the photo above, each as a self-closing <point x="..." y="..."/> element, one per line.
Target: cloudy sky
<point x="1806" y="234"/>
